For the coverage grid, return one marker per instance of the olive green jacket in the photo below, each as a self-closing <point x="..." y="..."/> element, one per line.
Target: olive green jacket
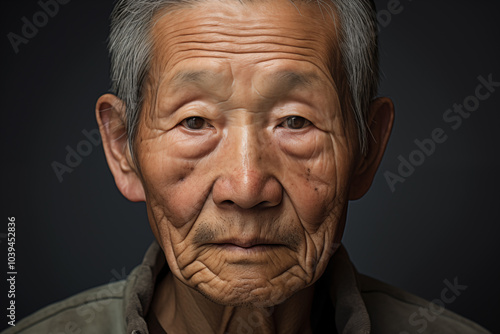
<point x="361" y="305"/>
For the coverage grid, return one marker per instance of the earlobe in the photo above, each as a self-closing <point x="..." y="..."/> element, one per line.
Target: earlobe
<point x="380" y="121"/>
<point x="110" y="112"/>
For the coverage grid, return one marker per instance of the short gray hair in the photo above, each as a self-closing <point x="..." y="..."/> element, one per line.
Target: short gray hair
<point x="131" y="48"/>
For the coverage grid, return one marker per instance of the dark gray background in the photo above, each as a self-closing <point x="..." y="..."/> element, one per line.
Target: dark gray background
<point x="441" y="223"/>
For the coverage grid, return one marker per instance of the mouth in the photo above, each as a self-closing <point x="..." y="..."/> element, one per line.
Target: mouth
<point x="257" y="248"/>
<point x="243" y="250"/>
<point x="247" y="243"/>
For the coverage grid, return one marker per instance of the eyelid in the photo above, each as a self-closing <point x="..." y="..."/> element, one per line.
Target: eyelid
<point x="195" y="109"/>
<point x="292" y="107"/>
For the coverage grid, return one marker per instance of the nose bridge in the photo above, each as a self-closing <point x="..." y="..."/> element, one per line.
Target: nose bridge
<point x="251" y="150"/>
<point x="245" y="153"/>
<point x="245" y="178"/>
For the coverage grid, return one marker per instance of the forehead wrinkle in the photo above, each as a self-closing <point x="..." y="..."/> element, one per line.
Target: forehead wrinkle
<point x="205" y="43"/>
<point x="233" y="44"/>
<point x="199" y="15"/>
<point x="198" y="24"/>
<point x="241" y="31"/>
<point x="179" y="50"/>
<point x="192" y="32"/>
<point x="245" y="25"/>
<point x="205" y="30"/>
<point x="314" y="78"/>
<point x="233" y="20"/>
<point x="177" y="40"/>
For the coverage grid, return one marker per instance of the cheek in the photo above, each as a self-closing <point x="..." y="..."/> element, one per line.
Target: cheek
<point x="175" y="186"/>
<point x="316" y="176"/>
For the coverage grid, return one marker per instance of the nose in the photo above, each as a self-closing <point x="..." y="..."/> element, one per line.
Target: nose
<point x="246" y="177"/>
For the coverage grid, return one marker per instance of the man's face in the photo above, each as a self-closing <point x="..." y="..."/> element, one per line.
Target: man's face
<point x="244" y="152"/>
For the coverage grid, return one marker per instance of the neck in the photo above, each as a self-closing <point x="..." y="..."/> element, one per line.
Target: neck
<point x="181" y="309"/>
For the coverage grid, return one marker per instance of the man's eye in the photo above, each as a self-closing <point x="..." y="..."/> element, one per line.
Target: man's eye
<point x="295" y="122"/>
<point x="195" y="123"/>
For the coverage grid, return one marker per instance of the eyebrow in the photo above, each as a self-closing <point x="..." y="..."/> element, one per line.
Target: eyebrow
<point x="293" y="79"/>
<point x="285" y="81"/>
<point x="202" y="77"/>
<point x="281" y="81"/>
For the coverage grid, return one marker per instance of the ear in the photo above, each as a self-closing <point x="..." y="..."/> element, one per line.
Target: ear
<point x="110" y="112"/>
<point x="381" y="118"/>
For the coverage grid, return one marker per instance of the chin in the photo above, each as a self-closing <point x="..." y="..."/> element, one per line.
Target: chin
<point x="259" y="293"/>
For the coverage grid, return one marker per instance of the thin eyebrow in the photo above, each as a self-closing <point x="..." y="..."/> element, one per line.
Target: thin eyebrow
<point x="279" y="83"/>
<point x="282" y="82"/>
<point x="195" y="77"/>
<point x="289" y="79"/>
<point x="293" y="79"/>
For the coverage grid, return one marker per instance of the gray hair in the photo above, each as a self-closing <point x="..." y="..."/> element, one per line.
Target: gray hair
<point x="131" y="48"/>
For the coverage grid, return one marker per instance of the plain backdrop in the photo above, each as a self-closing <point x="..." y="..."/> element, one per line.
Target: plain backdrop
<point x="441" y="223"/>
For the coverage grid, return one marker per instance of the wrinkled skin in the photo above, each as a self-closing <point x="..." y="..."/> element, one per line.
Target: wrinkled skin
<point x="246" y="153"/>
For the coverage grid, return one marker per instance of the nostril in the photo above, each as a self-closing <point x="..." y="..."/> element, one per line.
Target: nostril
<point x="253" y="190"/>
<point x="263" y="204"/>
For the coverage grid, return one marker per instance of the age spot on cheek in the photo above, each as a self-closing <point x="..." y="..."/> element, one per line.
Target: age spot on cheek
<point x="187" y="170"/>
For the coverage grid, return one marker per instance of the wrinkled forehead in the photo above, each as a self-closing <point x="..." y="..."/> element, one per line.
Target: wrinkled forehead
<point x="243" y="32"/>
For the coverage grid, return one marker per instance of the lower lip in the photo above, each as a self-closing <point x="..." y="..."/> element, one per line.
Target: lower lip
<point x="255" y="248"/>
<point x="235" y="251"/>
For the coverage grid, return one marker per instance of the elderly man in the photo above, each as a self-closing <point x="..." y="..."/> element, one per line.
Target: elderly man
<point x="246" y="127"/>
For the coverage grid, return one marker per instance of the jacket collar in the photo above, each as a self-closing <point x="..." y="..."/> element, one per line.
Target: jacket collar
<point x="139" y="289"/>
<point x="351" y="315"/>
